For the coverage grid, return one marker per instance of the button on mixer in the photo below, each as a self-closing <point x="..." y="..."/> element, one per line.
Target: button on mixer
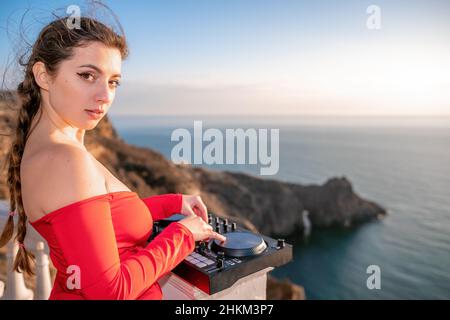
<point x="280" y="243"/>
<point x="200" y="264"/>
<point x="208" y="262"/>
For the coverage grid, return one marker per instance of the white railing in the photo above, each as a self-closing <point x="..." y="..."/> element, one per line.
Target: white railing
<point x="15" y="288"/>
<point x="15" y="282"/>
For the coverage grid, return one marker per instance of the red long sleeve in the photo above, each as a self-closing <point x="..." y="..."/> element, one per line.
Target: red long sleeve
<point x="83" y="235"/>
<point x="165" y="205"/>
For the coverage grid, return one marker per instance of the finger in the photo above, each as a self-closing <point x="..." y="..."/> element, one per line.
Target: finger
<point x="204" y="211"/>
<point x="197" y="211"/>
<point x="218" y="236"/>
<point x="200" y="213"/>
<point x="189" y="211"/>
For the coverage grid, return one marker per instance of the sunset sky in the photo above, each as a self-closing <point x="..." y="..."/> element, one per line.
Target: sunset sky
<point x="273" y="57"/>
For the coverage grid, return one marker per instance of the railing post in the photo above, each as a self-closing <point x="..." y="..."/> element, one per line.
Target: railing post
<point x="43" y="281"/>
<point x="15" y="282"/>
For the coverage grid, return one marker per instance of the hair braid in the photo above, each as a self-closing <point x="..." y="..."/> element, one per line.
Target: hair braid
<point x="29" y="94"/>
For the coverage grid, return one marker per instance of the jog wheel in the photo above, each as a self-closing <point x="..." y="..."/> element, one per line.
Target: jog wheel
<point x="240" y="244"/>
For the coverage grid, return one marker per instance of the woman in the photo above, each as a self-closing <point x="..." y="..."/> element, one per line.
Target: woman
<point x="96" y="227"/>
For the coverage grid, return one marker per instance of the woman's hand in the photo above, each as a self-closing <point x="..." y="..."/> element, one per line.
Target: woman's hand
<point x="197" y="219"/>
<point x="193" y="205"/>
<point x="200" y="229"/>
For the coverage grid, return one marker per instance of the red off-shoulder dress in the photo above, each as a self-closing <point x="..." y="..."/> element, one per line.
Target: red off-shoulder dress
<point x="102" y="240"/>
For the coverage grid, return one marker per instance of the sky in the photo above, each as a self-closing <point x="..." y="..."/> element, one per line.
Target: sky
<point x="274" y="57"/>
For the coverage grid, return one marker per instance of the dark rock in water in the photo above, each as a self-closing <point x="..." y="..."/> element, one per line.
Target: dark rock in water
<point x="336" y="204"/>
<point x="276" y="208"/>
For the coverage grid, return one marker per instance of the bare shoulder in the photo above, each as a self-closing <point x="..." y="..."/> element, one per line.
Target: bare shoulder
<point x="56" y="176"/>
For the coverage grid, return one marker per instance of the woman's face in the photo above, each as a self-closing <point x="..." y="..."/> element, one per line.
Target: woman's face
<point x="86" y="81"/>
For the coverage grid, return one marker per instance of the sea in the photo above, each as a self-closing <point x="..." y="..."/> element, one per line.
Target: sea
<point x="402" y="163"/>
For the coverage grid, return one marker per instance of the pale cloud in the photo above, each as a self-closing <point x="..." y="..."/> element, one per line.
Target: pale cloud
<point x="382" y="78"/>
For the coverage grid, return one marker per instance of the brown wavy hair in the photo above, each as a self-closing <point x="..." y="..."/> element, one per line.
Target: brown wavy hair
<point x="54" y="44"/>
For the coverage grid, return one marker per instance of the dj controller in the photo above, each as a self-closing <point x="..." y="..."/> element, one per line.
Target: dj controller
<point x="215" y="266"/>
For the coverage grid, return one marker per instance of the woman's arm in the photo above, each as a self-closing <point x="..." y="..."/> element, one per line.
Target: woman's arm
<point x="87" y="240"/>
<point x="163" y="206"/>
